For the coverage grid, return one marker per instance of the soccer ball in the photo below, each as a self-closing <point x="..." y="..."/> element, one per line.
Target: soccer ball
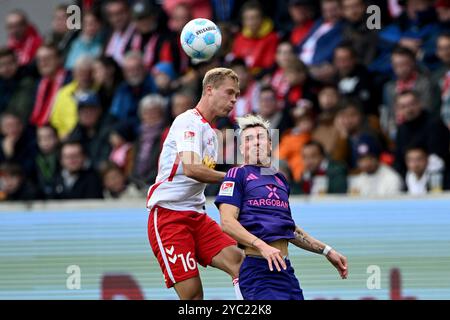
<point x="200" y="39"/>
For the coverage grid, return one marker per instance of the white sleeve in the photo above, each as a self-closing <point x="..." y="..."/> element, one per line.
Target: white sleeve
<point x="188" y="136"/>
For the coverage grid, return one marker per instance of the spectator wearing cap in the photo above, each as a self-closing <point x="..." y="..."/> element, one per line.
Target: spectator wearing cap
<point x="60" y="35"/>
<point x="419" y="127"/>
<point x="407" y="77"/>
<point x="17" y="87"/>
<point x="23" y="37"/>
<point x="152" y="110"/>
<point x="424" y="174"/>
<point x="355" y="31"/>
<point x="138" y="83"/>
<point x="164" y="74"/>
<point x="52" y="78"/>
<point x="118" y="15"/>
<point x="248" y="100"/>
<point x="441" y="76"/>
<point x="316" y="50"/>
<point x="257" y="42"/>
<point x="17" y="142"/>
<point x="302" y="15"/>
<point x="321" y="175"/>
<point x="121" y="138"/>
<point x="152" y="37"/>
<point x="14" y="185"/>
<point x="90" y="130"/>
<point x="64" y="116"/>
<point x="75" y="180"/>
<point x="375" y="178"/>
<point x="46" y="160"/>
<point x="325" y="131"/>
<point x="116" y="185"/>
<point x="354" y="80"/>
<point x="294" y="139"/>
<point x="88" y="43"/>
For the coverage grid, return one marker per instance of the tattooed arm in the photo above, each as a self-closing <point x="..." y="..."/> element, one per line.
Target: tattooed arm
<point x="306" y="242"/>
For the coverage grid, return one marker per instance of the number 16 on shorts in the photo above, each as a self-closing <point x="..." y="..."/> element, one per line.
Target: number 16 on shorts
<point x="189" y="263"/>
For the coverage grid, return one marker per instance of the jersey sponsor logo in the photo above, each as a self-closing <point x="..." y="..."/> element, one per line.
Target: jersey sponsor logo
<point x="189" y="135"/>
<point x="268" y="202"/>
<point x="226" y="189"/>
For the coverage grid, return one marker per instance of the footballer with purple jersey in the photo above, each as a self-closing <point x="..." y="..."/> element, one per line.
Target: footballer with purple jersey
<point x="254" y="208"/>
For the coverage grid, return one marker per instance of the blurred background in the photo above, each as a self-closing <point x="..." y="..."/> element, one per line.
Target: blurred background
<point x="360" y="102"/>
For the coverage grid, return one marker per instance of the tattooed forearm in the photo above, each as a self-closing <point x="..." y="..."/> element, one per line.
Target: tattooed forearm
<point x="305" y="241"/>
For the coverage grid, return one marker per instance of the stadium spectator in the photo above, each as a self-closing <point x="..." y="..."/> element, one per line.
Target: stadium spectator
<point x="23" y="37"/>
<point x="14" y="184"/>
<point x="316" y="50"/>
<point x="90" y="130"/>
<point x="181" y="101"/>
<point x="283" y="58"/>
<point x="178" y="18"/>
<point x="121" y="139"/>
<point x="419" y="127"/>
<point x="248" y="100"/>
<point x="257" y="42"/>
<point x="325" y="131"/>
<point x="52" y="78"/>
<point x="443" y="13"/>
<point x="118" y="16"/>
<point x="199" y="8"/>
<point x="46" y="160"/>
<point x="107" y="76"/>
<point x="60" y="35"/>
<point x="321" y="175"/>
<point x="75" y="181"/>
<point x="293" y="140"/>
<point x="138" y="83"/>
<point x="17" y="87"/>
<point x="302" y="15"/>
<point x="422" y="176"/>
<point x="375" y="178"/>
<point x="88" y="43"/>
<point x="408" y="77"/>
<point x="352" y="128"/>
<point x="353" y="79"/>
<point x="152" y="110"/>
<point x="164" y="74"/>
<point x="152" y="37"/>
<point x="17" y="142"/>
<point x="269" y="109"/>
<point x="116" y="185"/>
<point x="64" y="116"/>
<point x="355" y="31"/>
<point x="441" y="76"/>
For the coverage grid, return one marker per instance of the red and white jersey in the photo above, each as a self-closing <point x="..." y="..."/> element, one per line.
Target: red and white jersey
<point x="172" y="189"/>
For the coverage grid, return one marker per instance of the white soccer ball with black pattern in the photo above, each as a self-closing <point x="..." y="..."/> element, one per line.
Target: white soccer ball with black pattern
<point x="200" y="39"/>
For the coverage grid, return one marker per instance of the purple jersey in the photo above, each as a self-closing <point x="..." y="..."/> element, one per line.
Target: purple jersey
<point x="263" y="201"/>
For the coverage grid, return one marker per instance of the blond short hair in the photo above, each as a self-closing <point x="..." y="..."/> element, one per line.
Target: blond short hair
<point x="216" y="76"/>
<point x="250" y="121"/>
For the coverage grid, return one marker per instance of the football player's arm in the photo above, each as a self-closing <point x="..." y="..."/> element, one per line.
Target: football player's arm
<point x="305" y="241"/>
<point x="230" y="225"/>
<point x="195" y="169"/>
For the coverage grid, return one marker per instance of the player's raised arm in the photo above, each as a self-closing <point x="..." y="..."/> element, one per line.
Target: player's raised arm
<point x="195" y="169"/>
<point x="305" y="241"/>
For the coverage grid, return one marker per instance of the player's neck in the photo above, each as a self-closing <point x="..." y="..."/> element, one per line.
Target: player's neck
<point x="206" y="112"/>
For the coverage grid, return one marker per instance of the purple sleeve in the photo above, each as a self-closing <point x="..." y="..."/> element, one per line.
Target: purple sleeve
<point x="232" y="188"/>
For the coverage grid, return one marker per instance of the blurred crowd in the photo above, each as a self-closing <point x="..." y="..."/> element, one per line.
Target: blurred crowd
<point x="360" y="108"/>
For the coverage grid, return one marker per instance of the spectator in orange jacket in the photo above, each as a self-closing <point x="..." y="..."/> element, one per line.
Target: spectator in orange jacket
<point x="257" y="42"/>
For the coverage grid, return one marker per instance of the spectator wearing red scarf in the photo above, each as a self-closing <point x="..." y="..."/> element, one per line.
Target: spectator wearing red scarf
<point x="23" y="37"/>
